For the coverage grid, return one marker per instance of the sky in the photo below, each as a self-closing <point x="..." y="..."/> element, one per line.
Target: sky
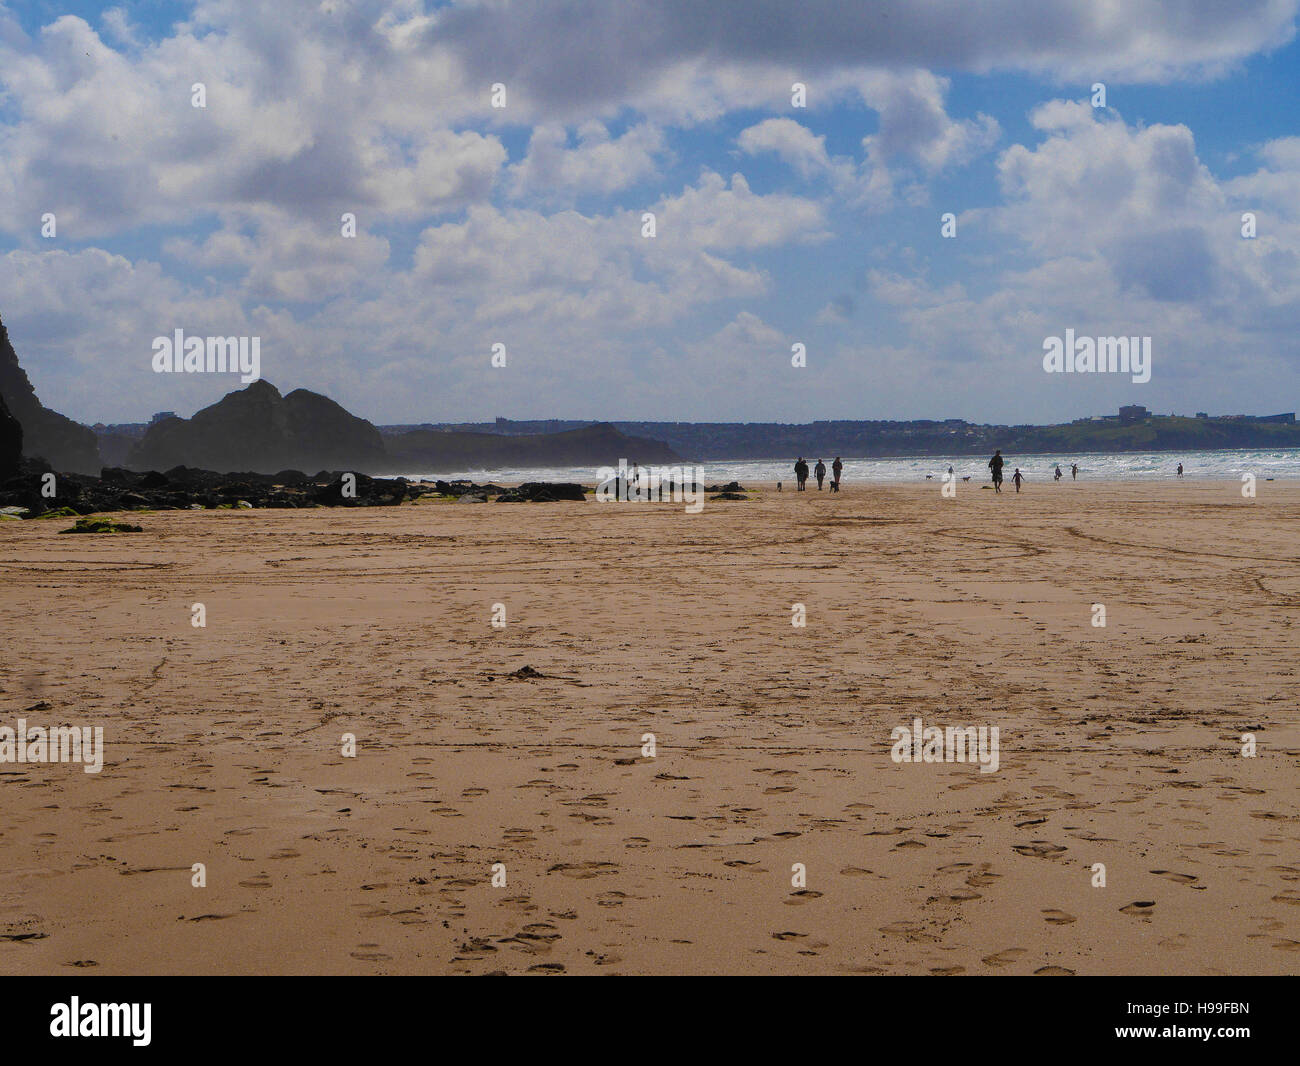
<point x="775" y="224"/>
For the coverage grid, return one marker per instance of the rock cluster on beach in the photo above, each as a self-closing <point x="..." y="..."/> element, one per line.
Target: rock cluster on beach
<point x="186" y="488"/>
<point x="528" y="492"/>
<point x="183" y="488"/>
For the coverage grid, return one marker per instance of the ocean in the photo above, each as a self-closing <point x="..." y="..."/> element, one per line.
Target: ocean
<point x="1113" y="466"/>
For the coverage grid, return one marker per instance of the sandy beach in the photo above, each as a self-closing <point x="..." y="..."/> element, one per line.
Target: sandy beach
<point x="1119" y="745"/>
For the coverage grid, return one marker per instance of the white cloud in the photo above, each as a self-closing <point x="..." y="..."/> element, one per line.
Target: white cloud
<point x="597" y="163"/>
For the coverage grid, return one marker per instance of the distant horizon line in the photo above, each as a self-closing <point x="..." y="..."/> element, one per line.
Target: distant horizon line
<point x="499" y="419"/>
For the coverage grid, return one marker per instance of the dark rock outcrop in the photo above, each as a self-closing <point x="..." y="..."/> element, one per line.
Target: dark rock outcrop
<point x="184" y="488"/>
<point x="462" y="488"/>
<point x="543" y="492"/>
<point x="361" y="491"/>
<point x="63" y="443"/>
<point x="258" y="429"/>
<point x="11" y="442"/>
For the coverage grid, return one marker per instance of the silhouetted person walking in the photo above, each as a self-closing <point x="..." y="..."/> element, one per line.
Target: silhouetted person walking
<point x="819" y="471"/>
<point x="995" y="464"/>
<point x="1074" y="472"/>
<point x="837" y="468"/>
<point x="1017" y="477"/>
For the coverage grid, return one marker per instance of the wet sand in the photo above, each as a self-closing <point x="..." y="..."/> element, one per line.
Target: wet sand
<point x="1118" y="745"/>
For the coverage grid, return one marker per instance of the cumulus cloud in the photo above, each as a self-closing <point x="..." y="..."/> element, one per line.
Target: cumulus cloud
<point x="271" y="256"/>
<point x="597" y="163"/>
<point x="916" y="136"/>
<point x="299" y="114"/>
<point x="914" y="125"/>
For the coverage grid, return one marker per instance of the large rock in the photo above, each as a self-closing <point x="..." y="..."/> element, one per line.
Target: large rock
<point x="543" y="492"/>
<point x="11" y="442"/>
<point x="258" y="429"/>
<point x="63" y="443"/>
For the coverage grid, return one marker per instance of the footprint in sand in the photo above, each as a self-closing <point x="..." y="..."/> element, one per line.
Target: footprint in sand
<point x="983" y="877"/>
<point x="583" y="870"/>
<point x="1055" y="917"/>
<point x="535" y="939"/>
<point x="1292" y="898"/>
<point x="1039" y="849"/>
<point x="476" y="946"/>
<point x="516" y="835"/>
<point x="366" y="953"/>
<point x="912" y="932"/>
<point x="957" y="895"/>
<point x="1005" y="957"/>
<point x="1182" y="879"/>
<point x="804" y="895"/>
<point x="1139" y="908"/>
<point x="789" y="936"/>
<point x="1053" y="971"/>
